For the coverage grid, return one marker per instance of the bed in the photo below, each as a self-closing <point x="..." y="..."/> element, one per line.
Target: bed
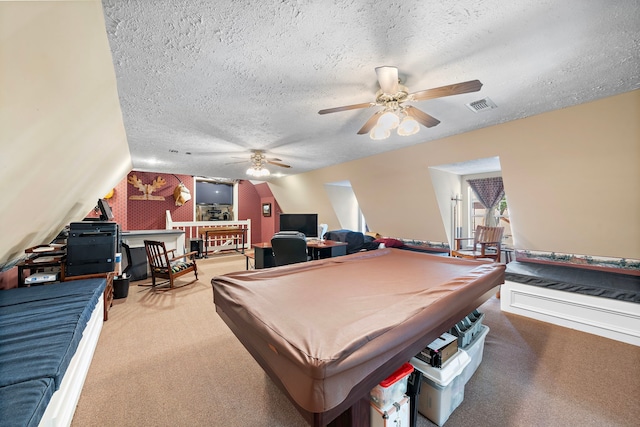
<point x="597" y="301"/>
<point x="47" y="337"/>
<point x="328" y="331"/>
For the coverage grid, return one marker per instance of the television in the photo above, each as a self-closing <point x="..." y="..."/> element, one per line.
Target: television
<point x="212" y="193"/>
<point x="304" y="223"/>
<point x="105" y="210"/>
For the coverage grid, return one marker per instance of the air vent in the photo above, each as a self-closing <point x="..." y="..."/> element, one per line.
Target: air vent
<point x="173" y="151"/>
<point x="481" y="105"/>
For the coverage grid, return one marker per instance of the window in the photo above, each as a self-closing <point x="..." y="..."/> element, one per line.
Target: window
<point x="214" y="201"/>
<point x="477" y="215"/>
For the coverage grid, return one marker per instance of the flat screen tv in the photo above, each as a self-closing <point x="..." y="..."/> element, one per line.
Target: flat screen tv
<point x="304" y="223"/>
<point x="105" y="210"/>
<point x="211" y="193"/>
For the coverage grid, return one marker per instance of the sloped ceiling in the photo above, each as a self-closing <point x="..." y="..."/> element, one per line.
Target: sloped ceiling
<point x="201" y="83"/>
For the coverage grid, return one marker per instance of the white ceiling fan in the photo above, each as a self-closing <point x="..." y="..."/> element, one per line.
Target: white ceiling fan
<point x="259" y="160"/>
<point x="392" y="97"/>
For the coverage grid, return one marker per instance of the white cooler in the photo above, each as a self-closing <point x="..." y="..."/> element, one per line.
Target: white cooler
<point x="442" y="389"/>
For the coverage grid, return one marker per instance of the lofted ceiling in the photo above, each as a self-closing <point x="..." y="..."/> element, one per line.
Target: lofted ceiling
<point x="204" y="82"/>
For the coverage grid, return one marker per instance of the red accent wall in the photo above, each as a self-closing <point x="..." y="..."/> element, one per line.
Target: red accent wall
<point x="150" y="214"/>
<point x="270" y="224"/>
<point x="249" y="208"/>
<point x="118" y="205"/>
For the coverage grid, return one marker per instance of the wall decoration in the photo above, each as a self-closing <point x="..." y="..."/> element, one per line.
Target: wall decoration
<point x="266" y="209"/>
<point x="146" y="189"/>
<point x="181" y="193"/>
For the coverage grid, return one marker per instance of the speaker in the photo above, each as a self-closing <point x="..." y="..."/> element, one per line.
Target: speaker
<point x="197" y="246"/>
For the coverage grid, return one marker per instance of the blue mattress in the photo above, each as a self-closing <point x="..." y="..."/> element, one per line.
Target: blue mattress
<point x="573" y="279"/>
<point x="23" y="404"/>
<point x="40" y="329"/>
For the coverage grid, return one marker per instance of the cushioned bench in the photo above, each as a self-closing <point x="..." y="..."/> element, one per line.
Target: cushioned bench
<point x="599" y="302"/>
<point x="574" y="279"/>
<point x="41" y="328"/>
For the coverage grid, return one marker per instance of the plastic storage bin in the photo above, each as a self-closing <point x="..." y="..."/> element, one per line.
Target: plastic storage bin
<point x="442" y="389"/>
<point x="393" y="388"/>
<point x="474" y="350"/>
<point x="467" y="328"/>
<point x="397" y="415"/>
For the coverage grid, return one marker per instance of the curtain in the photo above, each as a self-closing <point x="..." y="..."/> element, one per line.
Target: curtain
<point x="489" y="191"/>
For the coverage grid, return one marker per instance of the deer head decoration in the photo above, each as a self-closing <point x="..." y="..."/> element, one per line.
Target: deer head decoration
<point x="146" y="189"/>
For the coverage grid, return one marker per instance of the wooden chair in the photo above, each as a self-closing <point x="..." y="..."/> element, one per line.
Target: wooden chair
<point x="165" y="265"/>
<point x="487" y="243"/>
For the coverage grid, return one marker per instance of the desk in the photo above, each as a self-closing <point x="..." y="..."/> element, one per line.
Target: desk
<point x="173" y="239"/>
<point x="234" y="232"/>
<point x="317" y="250"/>
<point x="135" y="257"/>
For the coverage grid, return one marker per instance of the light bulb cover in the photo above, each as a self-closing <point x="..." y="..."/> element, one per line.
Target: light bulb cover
<point x="408" y="126"/>
<point x="388" y="120"/>
<point x="378" y="133"/>
<point x="258" y="171"/>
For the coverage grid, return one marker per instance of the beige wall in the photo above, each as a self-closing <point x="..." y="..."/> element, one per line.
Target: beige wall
<point x="571" y="175"/>
<point x="62" y="139"/>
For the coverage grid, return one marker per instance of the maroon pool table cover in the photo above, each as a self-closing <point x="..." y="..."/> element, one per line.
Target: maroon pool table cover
<point x="323" y="326"/>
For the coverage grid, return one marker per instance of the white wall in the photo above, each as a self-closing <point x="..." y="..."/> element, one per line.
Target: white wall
<point x="62" y="139"/>
<point x="446" y="186"/>
<point x="345" y="205"/>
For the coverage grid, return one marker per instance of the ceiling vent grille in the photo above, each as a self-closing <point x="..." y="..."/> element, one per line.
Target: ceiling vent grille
<point x="481" y="105"/>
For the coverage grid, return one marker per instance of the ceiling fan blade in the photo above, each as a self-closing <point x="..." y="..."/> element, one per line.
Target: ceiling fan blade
<point x="275" y="159"/>
<point x="235" y="163"/>
<point x="421" y="117"/>
<point x="347" y="107"/>
<point x="282" y="165"/>
<point x="370" y="123"/>
<point x="454" y="89"/>
<point x="388" y="79"/>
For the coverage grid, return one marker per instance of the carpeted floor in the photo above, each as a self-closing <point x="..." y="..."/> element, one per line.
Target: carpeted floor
<point x="166" y="359"/>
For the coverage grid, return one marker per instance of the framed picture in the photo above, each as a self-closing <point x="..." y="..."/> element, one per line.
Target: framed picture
<point x="266" y="209"/>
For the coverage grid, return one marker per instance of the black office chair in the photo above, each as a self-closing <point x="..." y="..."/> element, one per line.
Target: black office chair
<point x="289" y="248"/>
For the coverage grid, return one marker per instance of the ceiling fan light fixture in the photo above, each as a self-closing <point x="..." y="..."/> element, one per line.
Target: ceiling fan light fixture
<point x="388" y="120"/>
<point x="378" y="133"/>
<point x="258" y="171"/>
<point x="408" y="126"/>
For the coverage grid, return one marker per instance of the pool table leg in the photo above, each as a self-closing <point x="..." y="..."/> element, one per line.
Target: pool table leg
<point x="356" y="416"/>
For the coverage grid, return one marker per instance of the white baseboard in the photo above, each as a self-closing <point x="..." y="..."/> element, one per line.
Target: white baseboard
<point x="62" y="405"/>
<point x="606" y="317"/>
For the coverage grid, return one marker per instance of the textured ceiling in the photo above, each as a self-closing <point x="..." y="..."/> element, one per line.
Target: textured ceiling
<point x="204" y="82"/>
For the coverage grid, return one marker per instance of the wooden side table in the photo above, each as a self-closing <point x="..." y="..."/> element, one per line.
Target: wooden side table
<point x="108" y="290"/>
<point x="40" y="262"/>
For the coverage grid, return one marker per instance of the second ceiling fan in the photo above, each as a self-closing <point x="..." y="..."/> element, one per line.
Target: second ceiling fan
<point x="259" y="160"/>
<point x="394" y="114"/>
